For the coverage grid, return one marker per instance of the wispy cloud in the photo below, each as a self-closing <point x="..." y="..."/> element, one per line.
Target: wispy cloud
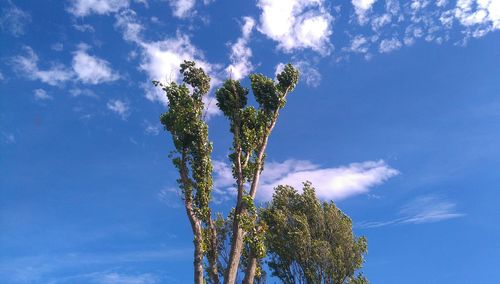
<point x="120" y="107"/>
<point x="86" y="68"/>
<point x="13" y="20"/>
<point x="424" y="209"/>
<point x="171" y="196"/>
<point x="240" y="52"/>
<point x="53" y="268"/>
<point x="41" y="95"/>
<point x="8" y="138"/>
<point x="114" y="277"/>
<point x="152" y="128"/>
<point x="28" y="65"/>
<point x="182" y="8"/>
<point x="83" y="8"/>
<point x="90" y="69"/>
<point x="331" y="183"/>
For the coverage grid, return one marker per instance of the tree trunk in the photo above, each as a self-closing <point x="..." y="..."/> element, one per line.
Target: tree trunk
<point x="198" y="249"/>
<point x="193" y="220"/>
<point x="213" y="254"/>
<point x="235" y="254"/>
<point x="238" y="233"/>
<point x="250" y="271"/>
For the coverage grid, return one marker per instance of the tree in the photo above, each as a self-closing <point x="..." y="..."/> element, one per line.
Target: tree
<point x="191" y="157"/>
<point x="251" y="128"/>
<point x="309" y="241"/>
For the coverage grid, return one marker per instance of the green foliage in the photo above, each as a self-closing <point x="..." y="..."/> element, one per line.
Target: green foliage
<point x="190" y="135"/>
<point x="271" y="95"/>
<point x="231" y="98"/>
<point x="309" y="241"/>
<point x="196" y="78"/>
<point x="265" y="92"/>
<point x="287" y="79"/>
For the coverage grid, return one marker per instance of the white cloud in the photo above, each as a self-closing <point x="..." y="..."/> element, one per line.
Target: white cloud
<point x="240" y="52"/>
<point x="361" y="8"/>
<point x="86" y="7"/>
<point x="41" y="94"/>
<point x="297" y="24"/>
<point x="160" y="60"/>
<point x="388" y="45"/>
<point x="441" y="3"/>
<point x="28" y="65"/>
<point x="380" y="21"/>
<point x="120" y="107"/>
<point x="359" y="44"/>
<point x="14" y="20"/>
<point x="330" y="183"/>
<point x="90" y="69"/>
<point x="485" y="13"/>
<point x="424" y="209"/>
<point x="182" y="8"/>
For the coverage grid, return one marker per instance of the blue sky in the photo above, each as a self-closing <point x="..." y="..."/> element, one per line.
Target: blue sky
<point x="396" y="118"/>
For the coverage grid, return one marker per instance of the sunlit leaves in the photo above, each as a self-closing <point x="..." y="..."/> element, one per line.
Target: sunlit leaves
<point x="309" y="241"/>
<point x="189" y="131"/>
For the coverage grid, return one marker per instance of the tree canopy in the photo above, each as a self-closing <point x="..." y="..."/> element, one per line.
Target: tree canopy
<point x="310" y="241"/>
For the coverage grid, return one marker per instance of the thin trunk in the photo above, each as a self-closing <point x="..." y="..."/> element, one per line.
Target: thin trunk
<point x="212" y="259"/>
<point x="193" y="220"/>
<point x="198" y="236"/>
<point x="260" y="156"/>
<point x="250" y="271"/>
<point x="235" y="254"/>
<point x="238" y="233"/>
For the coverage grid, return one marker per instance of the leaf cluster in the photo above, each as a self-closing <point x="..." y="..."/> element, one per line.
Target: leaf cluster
<point x="189" y="131"/>
<point x="309" y="241"/>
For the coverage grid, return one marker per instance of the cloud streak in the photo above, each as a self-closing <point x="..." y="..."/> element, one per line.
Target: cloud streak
<point x="424" y="209"/>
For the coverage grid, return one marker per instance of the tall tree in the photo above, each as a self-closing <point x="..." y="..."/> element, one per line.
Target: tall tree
<point x="191" y="157"/>
<point x="309" y="241"/>
<point x="251" y="128"/>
